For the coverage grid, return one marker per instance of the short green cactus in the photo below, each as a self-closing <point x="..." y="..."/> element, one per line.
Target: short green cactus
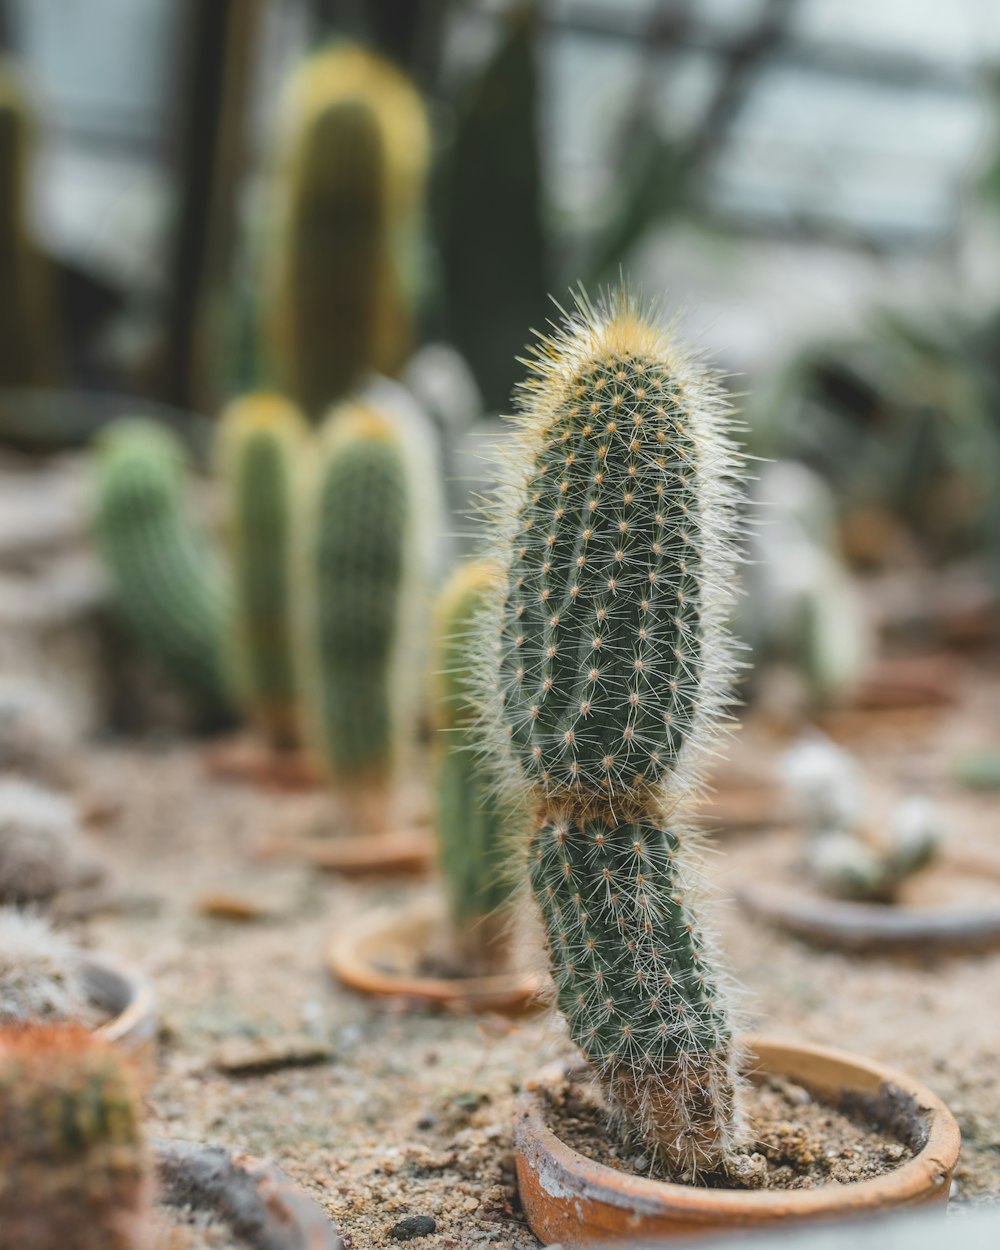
<point x="357" y="164"/>
<point x="609" y="665"/>
<point x="165" y="581"/>
<point x="74" y="1169"/>
<point x="27" y="329"/>
<point x="473" y="823"/>
<point x="363" y="567"/>
<point x="262" y="437"/>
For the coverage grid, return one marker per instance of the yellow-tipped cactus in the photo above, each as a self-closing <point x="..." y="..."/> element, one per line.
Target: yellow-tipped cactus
<point x="262" y="438"/>
<point x="74" y="1170"/>
<point x="473" y="822"/>
<point x="364" y="566"/>
<point x="607" y="665"/>
<point x="358" y="152"/>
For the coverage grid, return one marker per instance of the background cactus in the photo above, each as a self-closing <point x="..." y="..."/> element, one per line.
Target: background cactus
<point x="165" y="580"/>
<point x="27" y="329"/>
<point x="74" y="1171"/>
<point x="346" y="257"/>
<point x="473" y="823"/>
<point x="261" y="440"/>
<point x="365" y="566"/>
<point x="609" y="670"/>
<point x="842" y="853"/>
<point x="36" y="735"/>
<point x="42" y="846"/>
<point x="40" y="979"/>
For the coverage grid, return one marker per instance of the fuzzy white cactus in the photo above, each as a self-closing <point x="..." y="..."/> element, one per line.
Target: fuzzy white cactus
<point x="43" y="849"/>
<point x="40" y="978"/>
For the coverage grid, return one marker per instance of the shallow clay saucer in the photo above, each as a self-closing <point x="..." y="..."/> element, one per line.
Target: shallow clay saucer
<point x="381" y="956"/>
<point x="883" y="928"/>
<point x="571" y="1200"/>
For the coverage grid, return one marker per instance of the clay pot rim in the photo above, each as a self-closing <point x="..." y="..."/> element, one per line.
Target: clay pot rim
<point x="916" y="1180"/>
<point x="885" y="927"/>
<point x="402" y="851"/>
<point x="127" y="995"/>
<point x="349" y="959"/>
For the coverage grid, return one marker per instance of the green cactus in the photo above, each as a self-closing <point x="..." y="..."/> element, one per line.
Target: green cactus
<point x="165" y="581"/>
<point x="494" y="193"/>
<point x="261" y="440"/>
<point x="473" y="823"/>
<point x="358" y="161"/>
<point x="362" y="598"/>
<point x="74" y="1170"/>
<point x="27" y="329"/>
<point x="610" y="663"/>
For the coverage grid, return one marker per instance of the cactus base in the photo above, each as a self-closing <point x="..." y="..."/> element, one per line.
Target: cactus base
<point x="570" y="1200"/>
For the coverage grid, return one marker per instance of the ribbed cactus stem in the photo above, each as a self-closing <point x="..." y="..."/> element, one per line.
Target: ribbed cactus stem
<point x="165" y="579"/>
<point x="473" y="822"/>
<point x="262" y="440"/>
<point x="634" y="978"/>
<point x="73" y="1165"/>
<point x="363" y="567"/>
<point x="357" y="162"/>
<point x="612" y="665"/>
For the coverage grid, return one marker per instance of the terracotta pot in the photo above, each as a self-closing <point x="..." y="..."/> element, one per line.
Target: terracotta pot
<point x="359" y="855"/>
<point x="380" y="956"/>
<point x="259" y="1203"/>
<point x="256" y="764"/>
<point x="885" y="928"/>
<point x="127" y="999"/>
<point x="570" y="1200"/>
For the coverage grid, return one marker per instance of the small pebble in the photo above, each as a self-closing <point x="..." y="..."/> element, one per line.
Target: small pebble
<point x="414" y="1226"/>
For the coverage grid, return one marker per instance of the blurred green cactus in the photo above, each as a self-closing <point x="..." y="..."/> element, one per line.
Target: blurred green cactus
<point x="494" y="246"/>
<point x="27" y="327"/>
<point x="608" y="667"/>
<point x="363" y="566"/>
<point x="74" y="1170"/>
<point x="262" y="438"/>
<point x="473" y="823"/>
<point x="353" y="187"/>
<point x="165" y="579"/>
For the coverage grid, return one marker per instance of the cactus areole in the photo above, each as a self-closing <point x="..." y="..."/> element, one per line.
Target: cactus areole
<point x="609" y="648"/>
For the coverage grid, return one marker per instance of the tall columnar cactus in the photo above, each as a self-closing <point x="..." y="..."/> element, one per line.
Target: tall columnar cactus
<point x="609" y="664"/>
<point x="359" y="150"/>
<point x="473" y="823"/>
<point x="165" y="581"/>
<point x="262" y="439"/>
<point x="73" y="1164"/>
<point x="364" y="566"/>
<point x="27" y="332"/>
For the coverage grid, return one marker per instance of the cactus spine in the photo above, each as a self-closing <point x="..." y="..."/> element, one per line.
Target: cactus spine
<point x="358" y="161"/>
<point x="262" y="438"/>
<point x="163" y="579"/>
<point x="609" y="664"/>
<point x="73" y="1164"/>
<point x="472" y="822"/>
<point x="363" y="557"/>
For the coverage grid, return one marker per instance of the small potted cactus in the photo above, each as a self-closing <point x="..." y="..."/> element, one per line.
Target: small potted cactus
<point x="77" y="1171"/>
<point x="45" y="979"/>
<point x="461" y="956"/>
<point x="367" y="529"/>
<point x="875" y="877"/>
<point x="605" y="665"/>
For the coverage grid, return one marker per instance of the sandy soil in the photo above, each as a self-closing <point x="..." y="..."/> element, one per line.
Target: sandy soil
<point x="393" y="1111"/>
